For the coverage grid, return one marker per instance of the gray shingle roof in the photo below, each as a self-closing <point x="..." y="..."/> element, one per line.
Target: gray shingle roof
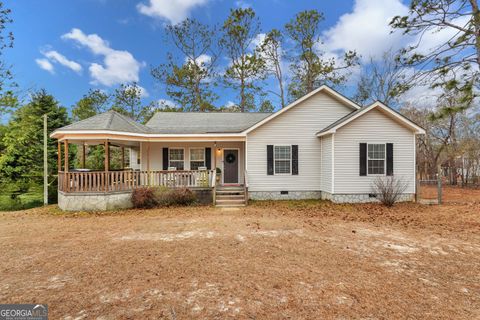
<point x="203" y="122"/>
<point x="109" y="120"/>
<point x="172" y="122"/>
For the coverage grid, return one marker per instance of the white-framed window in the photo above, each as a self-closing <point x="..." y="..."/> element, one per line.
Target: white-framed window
<point x="197" y="158"/>
<point x="176" y="158"/>
<point x="126" y="157"/>
<point x="282" y="159"/>
<point x="376" y="156"/>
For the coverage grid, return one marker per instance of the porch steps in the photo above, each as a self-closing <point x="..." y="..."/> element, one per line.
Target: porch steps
<point x="230" y="196"/>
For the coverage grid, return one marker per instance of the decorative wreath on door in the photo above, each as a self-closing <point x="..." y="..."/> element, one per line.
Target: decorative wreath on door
<point x="230" y="158"/>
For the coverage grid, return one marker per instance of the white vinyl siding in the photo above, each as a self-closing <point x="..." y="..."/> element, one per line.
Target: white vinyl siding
<point x="374" y="127"/>
<point x="326" y="163"/>
<point x="296" y="126"/>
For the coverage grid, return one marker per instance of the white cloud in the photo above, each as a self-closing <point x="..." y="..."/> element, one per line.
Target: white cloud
<point x="54" y="56"/>
<point x="421" y="96"/>
<point x="242" y="4"/>
<point x="436" y="37"/>
<point x="45" y="65"/>
<point x="230" y="104"/>
<point x="201" y="59"/>
<point x="119" y="66"/>
<point x="366" y="29"/>
<point x="172" y="10"/>
<point x="257" y="41"/>
<point x="163" y="103"/>
<point x="143" y="92"/>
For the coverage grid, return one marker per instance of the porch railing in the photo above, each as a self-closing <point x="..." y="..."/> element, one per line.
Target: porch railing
<point x="111" y="181"/>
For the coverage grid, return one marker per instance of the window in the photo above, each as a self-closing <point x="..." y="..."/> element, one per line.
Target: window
<point x="197" y="158"/>
<point x="282" y="159"/>
<point x="126" y="158"/>
<point x="176" y="158"/>
<point x="376" y="159"/>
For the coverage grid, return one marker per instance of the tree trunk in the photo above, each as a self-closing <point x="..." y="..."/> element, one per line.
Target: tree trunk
<point x="242" y="95"/>
<point x="476" y="21"/>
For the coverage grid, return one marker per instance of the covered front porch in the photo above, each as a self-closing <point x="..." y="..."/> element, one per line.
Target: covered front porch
<point x="170" y="163"/>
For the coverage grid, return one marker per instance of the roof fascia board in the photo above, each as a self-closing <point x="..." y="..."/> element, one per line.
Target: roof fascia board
<point x="144" y="135"/>
<point x="400" y="118"/>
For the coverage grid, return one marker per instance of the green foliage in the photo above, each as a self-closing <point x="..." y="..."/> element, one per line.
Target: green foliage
<point x="454" y="64"/>
<point x="11" y="198"/>
<point x="127" y="100"/>
<point x="22" y="158"/>
<point x="8" y="100"/>
<point x="266" y="106"/>
<point x="94" y="102"/>
<point x="247" y="68"/>
<point x="189" y="82"/>
<point x="308" y="66"/>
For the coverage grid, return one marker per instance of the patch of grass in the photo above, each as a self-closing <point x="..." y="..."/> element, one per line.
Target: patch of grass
<point x="11" y="202"/>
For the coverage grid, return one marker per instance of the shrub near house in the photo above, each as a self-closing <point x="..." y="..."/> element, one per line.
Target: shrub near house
<point x="151" y="197"/>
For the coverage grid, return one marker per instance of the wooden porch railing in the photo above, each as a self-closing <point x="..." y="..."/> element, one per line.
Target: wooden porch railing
<point x="111" y="181"/>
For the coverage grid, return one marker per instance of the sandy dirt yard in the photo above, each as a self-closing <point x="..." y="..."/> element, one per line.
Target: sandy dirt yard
<point x="287" y="260"/>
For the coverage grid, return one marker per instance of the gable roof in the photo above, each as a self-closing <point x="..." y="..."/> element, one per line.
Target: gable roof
<point x="110" y="120"/>
<point x="324" y="88"/>
<point x="332" y="128"/>
<point x="203" y="122"/>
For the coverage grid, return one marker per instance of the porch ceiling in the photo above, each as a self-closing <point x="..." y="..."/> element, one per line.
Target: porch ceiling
<point x="113" y="142"/>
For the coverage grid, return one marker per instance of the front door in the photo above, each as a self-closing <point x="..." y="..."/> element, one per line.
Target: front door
<point x="230" y="166"/>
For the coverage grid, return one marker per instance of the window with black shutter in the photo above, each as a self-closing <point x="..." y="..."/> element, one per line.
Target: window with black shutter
<point x="295" y="159"/>
<point x="363" y="159"/>
<point x="389" y="159"/>
<point x="165" y="159"/>
<point x="270" y="160"/>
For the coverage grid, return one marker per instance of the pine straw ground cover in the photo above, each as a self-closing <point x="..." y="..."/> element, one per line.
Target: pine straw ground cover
<point x="294" y="260"/>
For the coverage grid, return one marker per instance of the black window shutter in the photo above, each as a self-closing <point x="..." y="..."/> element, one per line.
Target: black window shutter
<point x="165" y="159"/>
<point x="294" y="159"/>
<point x="270" y="160"/>
<point x="208" y="158"/>
<point x="389" y="159"/>
<point x="363" y="159"/>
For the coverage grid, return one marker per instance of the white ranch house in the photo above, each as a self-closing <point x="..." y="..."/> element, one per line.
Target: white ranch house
<point x="321" y="146"/>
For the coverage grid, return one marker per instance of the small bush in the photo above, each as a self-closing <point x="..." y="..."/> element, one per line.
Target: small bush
<point x="144" y="198"/>
<point x="389" y="189"/>
<point x="169" y="197"/>
<point x="183" y="197"/>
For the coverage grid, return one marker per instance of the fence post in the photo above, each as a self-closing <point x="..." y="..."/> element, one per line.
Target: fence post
<point x="439" y="188"/>
<point x="417" y="189"/>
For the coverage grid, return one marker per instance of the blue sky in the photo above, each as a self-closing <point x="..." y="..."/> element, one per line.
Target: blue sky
<point x="68" y="47"/>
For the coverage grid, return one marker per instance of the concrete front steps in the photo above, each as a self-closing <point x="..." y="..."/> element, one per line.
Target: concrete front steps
<point x="230" y="196"/>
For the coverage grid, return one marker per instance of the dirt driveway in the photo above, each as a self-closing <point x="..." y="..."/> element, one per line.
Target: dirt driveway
<point x="305" y="260"/>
